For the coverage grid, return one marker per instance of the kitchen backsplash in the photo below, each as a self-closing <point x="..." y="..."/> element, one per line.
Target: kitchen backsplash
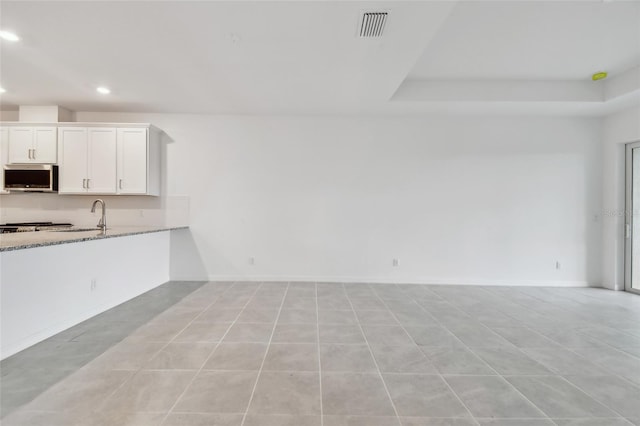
<point x="76" y="209"/>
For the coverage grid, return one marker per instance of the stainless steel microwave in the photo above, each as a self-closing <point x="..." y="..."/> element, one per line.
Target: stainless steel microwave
<point x="31" y="177"/>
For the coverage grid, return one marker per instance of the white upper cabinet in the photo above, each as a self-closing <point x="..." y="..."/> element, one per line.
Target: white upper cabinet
<point x="20" y="144"/>
<point x="87" y="160"/>
<point x="72" y="171"/>
<point x="138" y="166"/>
<point x="92" y="158"/>
<point x="102" y="161"/>
<point x="33" y="145"/>
<point x="45" y="145"/>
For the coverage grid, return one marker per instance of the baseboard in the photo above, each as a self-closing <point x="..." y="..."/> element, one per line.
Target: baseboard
<point x="373" y="280"/>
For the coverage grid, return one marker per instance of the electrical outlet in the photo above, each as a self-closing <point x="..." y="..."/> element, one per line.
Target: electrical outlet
<point x="557" y="265"/>
<point x="94" y="284"/>
<point x="396" y="262"/>
<point x="252" y="261"/>
<point x="141" y="213"/>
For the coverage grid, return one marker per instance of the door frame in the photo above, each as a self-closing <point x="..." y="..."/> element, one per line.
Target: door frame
<point x="628" y="217"/>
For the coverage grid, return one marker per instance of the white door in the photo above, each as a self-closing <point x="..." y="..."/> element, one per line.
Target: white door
<point x="102" y="161"/>
<point x="132" y="161"/>
<point x="73" y="160"/>
<point x="45" y="147"/>
<point x="20" y="144"/>
<point x="632" y="216"/>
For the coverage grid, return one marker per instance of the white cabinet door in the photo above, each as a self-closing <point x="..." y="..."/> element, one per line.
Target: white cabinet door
<point x="45" y="146"/>
<point x="132" y="161"/>
<point x="4" y="154"/>
<point x="102" y="160"/>
<point x="33" y="145"/>
<point x="20" y="144"/>
<point x="73" y="160"/>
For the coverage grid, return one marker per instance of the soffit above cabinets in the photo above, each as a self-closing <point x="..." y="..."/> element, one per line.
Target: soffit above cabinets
<point x="79" y="124"/>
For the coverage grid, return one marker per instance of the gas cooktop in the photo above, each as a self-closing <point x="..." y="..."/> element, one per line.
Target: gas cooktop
<point x="31" y="227"/>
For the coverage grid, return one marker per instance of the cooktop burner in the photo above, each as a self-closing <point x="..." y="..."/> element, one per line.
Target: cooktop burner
<point x="31" y="226"/>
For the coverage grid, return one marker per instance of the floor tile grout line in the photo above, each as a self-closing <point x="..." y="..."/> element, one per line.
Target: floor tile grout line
<point x="525" y="326"/>
<point x="132" y="372"/>
<point x="413" y="299"/>
<point x="319" y="355"/>
<point x="546" y="302"/>
<point x="486" y="363"/>
<point x="213" y="350"/>
<point x="598" y="341"/>
<point x="105" y="400"/>
<point x="502" y="312"/>
<point x="632" y="355"/>
<point x="558" y="343"/>
<point x="439" y="375"/>
<point x="572" y="350"/>
<point x="137" y="370"/>
<point x="384" y="384"/>
<point x="480" y="358"/>
<point x="264" y="358"/>
<point x="515" y="349"/>
<point x="172" y="340"/>
<point x="611" y="373"/>
<point x="591" y="396"/>
<point x="569" y="308"/>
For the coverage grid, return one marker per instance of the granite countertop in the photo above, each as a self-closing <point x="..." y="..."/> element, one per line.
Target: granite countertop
<point x="25" y="240"/>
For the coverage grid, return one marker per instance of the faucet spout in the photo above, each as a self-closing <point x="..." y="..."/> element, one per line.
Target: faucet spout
<point x="102" y="224"/>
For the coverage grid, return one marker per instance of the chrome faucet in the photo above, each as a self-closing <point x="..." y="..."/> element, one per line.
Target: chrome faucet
<point x="103" y="220"/>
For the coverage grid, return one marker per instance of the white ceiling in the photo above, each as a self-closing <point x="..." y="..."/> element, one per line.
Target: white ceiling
<point x="303" y="57"/>
<point x="533" y="40"/>
<point x="209" y="56"/>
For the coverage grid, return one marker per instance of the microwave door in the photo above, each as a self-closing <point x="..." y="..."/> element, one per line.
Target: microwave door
<point x="30" y="179"/>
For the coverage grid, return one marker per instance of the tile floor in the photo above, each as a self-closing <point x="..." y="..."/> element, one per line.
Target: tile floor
<point x="34" y="370"/>
<point x="299" y="354"/>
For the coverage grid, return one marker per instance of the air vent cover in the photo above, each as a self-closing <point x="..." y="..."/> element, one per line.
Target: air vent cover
<point x="372" y="24"/>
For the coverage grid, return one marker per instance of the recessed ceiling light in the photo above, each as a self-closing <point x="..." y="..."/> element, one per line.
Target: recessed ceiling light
<point x="9" y="36"/>
<point x="103" y="90"/>
<point x="3" y="90"/>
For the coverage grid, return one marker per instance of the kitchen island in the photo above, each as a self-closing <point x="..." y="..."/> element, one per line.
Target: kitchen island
<point x="50" y="281"/>
<point x="26" y="240"/>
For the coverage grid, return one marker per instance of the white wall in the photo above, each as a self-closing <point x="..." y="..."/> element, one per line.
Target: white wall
<point x="618" y="129"/>
<point x="76" y="209"/>
<point x="456" y="199"/>
<point x="48" y="289"/>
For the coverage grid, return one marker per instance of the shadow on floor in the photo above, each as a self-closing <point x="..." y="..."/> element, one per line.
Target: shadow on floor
<point x="28" y="373"/>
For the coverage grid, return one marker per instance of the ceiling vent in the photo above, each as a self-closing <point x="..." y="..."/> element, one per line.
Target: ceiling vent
<point x="372" y="24"/>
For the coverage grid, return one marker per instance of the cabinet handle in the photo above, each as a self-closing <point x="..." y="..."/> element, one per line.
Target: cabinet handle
<point x="88" y="183"/>
<point x="84" y="183"/>
<point x="120" y="184"/>
<point x="29" y="154"/>
<point x="34" y="154"/>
